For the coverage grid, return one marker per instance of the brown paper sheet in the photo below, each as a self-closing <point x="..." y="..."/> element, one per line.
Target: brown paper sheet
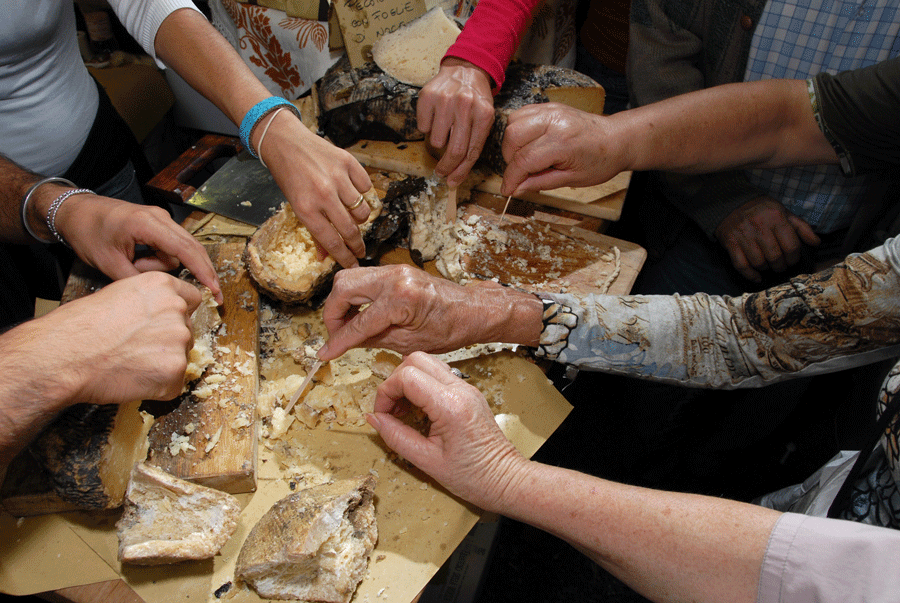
<point x="420" y="524"/>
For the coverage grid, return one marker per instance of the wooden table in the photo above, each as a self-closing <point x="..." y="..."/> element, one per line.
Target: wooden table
<point x="175" y="185"/>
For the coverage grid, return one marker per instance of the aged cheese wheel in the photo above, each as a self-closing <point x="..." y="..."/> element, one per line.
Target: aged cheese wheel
<point x="367" y="103"/>
<point x="313" y="545"/>
<point x="89" y="450"/>
<point x="282" y="258"/>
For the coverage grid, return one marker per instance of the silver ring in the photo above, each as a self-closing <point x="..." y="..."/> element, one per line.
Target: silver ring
<point x="358" y="203"/>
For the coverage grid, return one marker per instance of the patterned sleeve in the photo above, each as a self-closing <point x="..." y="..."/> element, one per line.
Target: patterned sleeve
<point x="845" y="316"/>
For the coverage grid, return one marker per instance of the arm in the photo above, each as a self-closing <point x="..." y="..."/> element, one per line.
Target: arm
<point x="456" y="107"/>
<point x="320" y="180"/>
<point x="669" y="547"/>
<point x="408" y="310"/>
<point x="816" y="323"/>
<point x="102" y="231"/>
<point x="128" y="341"/>
<point x="755" y="124"/>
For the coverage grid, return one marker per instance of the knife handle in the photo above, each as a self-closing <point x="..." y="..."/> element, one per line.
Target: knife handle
<point x="177" y="182"/>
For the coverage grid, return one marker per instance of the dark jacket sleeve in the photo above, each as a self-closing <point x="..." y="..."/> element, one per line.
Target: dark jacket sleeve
<point x="859" y="113"/>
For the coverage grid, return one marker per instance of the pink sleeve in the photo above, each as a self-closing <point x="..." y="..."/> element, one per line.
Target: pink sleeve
<point x="492" y="34"/>
<point x="818" y="560"/>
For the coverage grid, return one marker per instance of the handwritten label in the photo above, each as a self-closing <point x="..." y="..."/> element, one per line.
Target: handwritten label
<point x="362" y="22"/>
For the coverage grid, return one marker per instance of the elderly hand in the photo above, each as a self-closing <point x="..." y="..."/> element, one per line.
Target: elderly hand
<point x="104" y="233"/>
<point x="762" y="235"/>
<point x="407" y="309"/>
<point x="464" y="449"/>
<point x="550" y="145"/>
<point x="128" y="341"/>
<point x="321" y="182"/>
<point x="457" y="109"/>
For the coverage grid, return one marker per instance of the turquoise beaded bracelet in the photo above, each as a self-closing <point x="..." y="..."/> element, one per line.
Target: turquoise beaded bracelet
<point x="256" y="113"/>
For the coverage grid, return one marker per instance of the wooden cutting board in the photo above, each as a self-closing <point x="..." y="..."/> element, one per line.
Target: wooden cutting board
<point x="230" y="465"/>
<point x="601" y="201"/>
<point x="539" y="255"/>
<point x="221" y="428"/>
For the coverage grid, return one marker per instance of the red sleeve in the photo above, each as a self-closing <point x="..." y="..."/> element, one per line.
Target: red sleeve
<point x="492" y="34"/>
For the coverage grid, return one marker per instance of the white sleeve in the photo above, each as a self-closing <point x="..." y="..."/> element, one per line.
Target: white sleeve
<point x="142" y="19"/>
<point x="819" y="560"/>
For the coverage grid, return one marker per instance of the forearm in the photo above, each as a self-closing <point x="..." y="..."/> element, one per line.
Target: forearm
<point x="33" y="386"/>
<point x="190" y="45"/>
<point x="15" y="182"/>
<point x="667" y="546"/>
<point x="758" y="124"/>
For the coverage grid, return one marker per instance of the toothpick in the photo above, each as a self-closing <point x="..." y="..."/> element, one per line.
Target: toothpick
<point x="503" y="215"/>
<point x="296" y="396"/>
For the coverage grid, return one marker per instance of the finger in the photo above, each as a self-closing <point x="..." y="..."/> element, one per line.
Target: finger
<point x="425" y="110"/>
<point x="365" y="327"/>
<point x="188" y="292"/>
<point x="804" y="231"/>
<point x="739" y="261"/>
<point x="480" y="130"/>
<point x="789" y="245"/>
<point x="352" y="287"/>
<point x="153" y="263"/>
<point x="327" y="236"/>
<point x="401" y="438"/>
<point x="413" y="384"/>
<point x="770" y="252"/>
<point x="433" y="366"/>
<point x="358" y="208"/>
<point x="175" y="242"/>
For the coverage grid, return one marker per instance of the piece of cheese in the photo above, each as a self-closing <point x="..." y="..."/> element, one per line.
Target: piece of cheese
<point x="413" y="53"/>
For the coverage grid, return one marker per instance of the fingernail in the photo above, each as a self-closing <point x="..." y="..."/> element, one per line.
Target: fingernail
<point x="374" y="421"/>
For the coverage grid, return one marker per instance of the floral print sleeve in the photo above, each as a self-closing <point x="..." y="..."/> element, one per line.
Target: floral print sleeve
<point x="845" y="316"/>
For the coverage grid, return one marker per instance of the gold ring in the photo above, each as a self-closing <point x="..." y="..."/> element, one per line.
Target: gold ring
<point x="358" y="203"/>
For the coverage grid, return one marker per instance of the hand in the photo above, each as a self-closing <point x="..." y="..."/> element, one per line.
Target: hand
<point x="457" y="108"/>
<point x="104" y="233"/>
<point x="128" y="341"/>
<point x="762" y="235"/>
<point x="321" y="182"/>
<point x="464" y="449"/>
<point x="408" y="310"/>
<point x="550" y="145"/>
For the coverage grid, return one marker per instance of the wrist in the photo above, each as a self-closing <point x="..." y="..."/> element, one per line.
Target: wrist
<point x="41" y="207"/>
<point x="512" y="316"/>
<point x="255" y="120"/>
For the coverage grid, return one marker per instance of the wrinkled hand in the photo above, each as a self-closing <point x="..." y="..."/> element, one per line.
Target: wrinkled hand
<point x="104" y="233"/>
<point x="762" y="235"/>
<point x="457" y="109"/>
<point x="464" y="449"/>
<point x="550" y="145"/>
<point x="408" y="310"/>
<point x="321" y="182"/>
<point x="128" y="341"/>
